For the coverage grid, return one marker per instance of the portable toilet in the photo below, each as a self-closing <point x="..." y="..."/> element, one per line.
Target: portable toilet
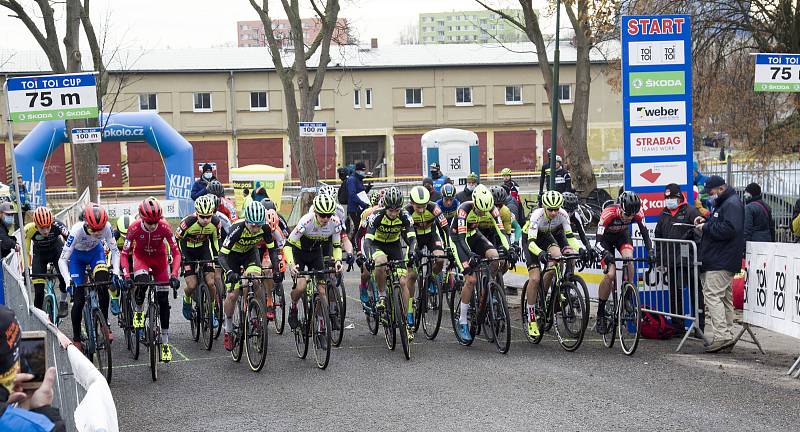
<point x="456" y="151"/>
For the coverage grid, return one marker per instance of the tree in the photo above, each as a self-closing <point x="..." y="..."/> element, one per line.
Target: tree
<point x="409" y="35"/>
<point x="591" y="21"/>
<point x="84" y="156"/>
<point x="297" y="76"/>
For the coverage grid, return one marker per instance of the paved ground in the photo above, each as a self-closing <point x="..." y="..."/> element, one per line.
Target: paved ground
<point x="449" y="387"/>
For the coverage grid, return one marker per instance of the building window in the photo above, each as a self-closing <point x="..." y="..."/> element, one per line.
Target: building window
<point x="368" y="98"/>
<point x="463" y="96"/>
<point x="148" y="102"/>
<point x="318" y="104"/>
<point x="514" y="95"/>
<point x="202" y="102"/>
<point x="413" y="97"/>
<point x="356" y="98"/>
<point x="565" y="93"/>
<point x="258" y="101"/>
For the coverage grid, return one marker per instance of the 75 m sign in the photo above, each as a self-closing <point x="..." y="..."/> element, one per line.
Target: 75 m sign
<point x="52" y="97"/>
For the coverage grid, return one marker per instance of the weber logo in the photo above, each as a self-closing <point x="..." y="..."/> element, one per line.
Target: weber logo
<point x="657" y="113"/>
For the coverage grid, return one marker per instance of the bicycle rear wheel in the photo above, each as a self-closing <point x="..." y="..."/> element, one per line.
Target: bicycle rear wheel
<point x="629" y="318"/>
<point x="301" y="332"/>
<point x="432" y="316"/>
<point x="153" y="338"/>
<point x="400" y="320"/>
<point x="238" y="330"/>
<point x="102" y="345"/>
<point x="611" y="316"/>
<point x="279" y="301"/>
<point x="523" y="307"/>
<point x="572" y="316"/>
<point x="255" y="335"/>
<point x="321" y="332"/>
<point x="499" y="319"/>
<point x="335" y="298"/>
<point x="205" y="317"/>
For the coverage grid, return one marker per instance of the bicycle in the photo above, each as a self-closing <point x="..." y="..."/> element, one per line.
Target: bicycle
<point x="337" y="300"/>
<point x="152" y="326"/>
<point x="202" y="319"/>
<point x="50" y="301"/>
<point x="625" y="315"/>
<point x="125" y="321"/>
<point x="250" y="325"/>
<point x="496" y="318"/>
<point x="369" y="308"/>
<point x="394" y="316"/>
<point x="279" y="302"/>
<point x="429" y="301"/>
<point x="96" y="337"/>
<point x="314" y="306"/>
<point x="563" y="303"/>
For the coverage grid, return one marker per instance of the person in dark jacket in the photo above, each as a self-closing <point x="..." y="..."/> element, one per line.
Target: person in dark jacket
<point x="721" y="250"/>
<point x="438" y="179"/>
<point x="676" y="223"/>
<point x="20" y="411"/>
<point x="8" y="242"/>
<point x="427" y="182"/>
<point x="199" y="186"/>
<point x="357" y="199"/>
<point x="466" y="194"/>
<point x="758" y="224"/>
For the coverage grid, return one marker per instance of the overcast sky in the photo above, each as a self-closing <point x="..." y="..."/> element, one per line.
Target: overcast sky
<point x="152" y="24"/>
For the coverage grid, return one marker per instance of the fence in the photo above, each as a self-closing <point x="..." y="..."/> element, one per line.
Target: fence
<point x="81" y="393"/>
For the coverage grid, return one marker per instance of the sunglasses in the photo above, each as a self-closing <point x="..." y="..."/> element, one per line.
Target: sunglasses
<point x="324" y="216"/>
<point x="204" y="217"/>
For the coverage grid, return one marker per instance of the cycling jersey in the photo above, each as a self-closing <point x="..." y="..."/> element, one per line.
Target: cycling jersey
<point x="361" y="231"/>
<point x="241" y="247"/>
<point x="506" y="218"/>
<point x="423" y="222"/>
<point x="309" y="236"/>
<point x="449" y="212"/>
<point x="45" y="243"/>
<point x="385" y="233"/>
<point x="540" y="223"/>
<point x="611" y="228"/>
<point x="119" y="238"/>
<point x="89" y="249"/>
<point x="228" y="208"/>
<point x="467" y="222"/>
<point x="191" y="234"/>
<point x="150" y="248"/>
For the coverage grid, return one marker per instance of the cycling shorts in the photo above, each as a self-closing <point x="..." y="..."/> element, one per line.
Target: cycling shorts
<point x="202" y="253"/>
<point x="431" y="240"/>
<point x="308" y="260"/>
<point x="158" y="265"/>
<point x="621" y="241"/>
<point x="249" y="261"/>
<point x="544" y="241"/>
<point x="393" y="252"/>
<point x="94" y="258"/>
<point x="477" y="244"/>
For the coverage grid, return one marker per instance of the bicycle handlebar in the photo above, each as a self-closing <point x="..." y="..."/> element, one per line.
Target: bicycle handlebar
<point x="313" y="273"/>
<point x="45" y="276"/>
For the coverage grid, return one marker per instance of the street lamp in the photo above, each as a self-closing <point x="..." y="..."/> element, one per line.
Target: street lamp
<point x="554" y="105"/>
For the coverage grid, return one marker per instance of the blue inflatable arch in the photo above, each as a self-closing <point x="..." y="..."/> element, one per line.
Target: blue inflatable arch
<point x="47" y="136"/>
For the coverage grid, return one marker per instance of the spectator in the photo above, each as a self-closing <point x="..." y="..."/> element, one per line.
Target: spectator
<point x="758" y="224"/>
<point x="512" y="189"/>
<point x="19" y="411"/>
<point x="7" y="241"/>
<point x="21" y="191"/>
<point x="357" y="200"/>
<point x="563" y="180"/>
<point x="199" y="186"/>
<point x="259" y="192"/>
<point x="466" y="194"/>
<point x="246" y="199"/>
<point x="427" y="182"/>
<point x="721" y="250"/>
<point x="675" y="224"/>
<point x="437" y="177"/>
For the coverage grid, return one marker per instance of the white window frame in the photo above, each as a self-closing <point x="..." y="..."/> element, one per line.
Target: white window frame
<point x="514" y="102"/>
<point x="356" y="98"/>
<point x="148" y="97"/>
<point x="368" y="98"/>
<point x="266" y="100"/>
<point x="414" y="104"/>
<point x="566" y="101"/>
<point x="463" y="103"/>
<point x="203" y="110"/>
<point x="318" y="103"/>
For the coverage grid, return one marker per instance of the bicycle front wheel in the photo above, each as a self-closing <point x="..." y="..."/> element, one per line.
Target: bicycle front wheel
<point x="611" y="315"/>
<point x="279" y="301"/>
<point x="301" y="332"/>
<point x="400" y="321"/>
<point x="194" y="320"/>
<point x="335" y="299"/>
<point x="369" y="311"/>
<point x="432" y="316"/>
<point x="50" y="309"/>
<point x="321" y="332"/>
<point x="205" y="317"/>
<point x="255" y="335"/>
<point x="571" y="317"/>
<point x="523" y="307"/>
<point x="629" y="318"/>
<point x="102" y="345"/>
<point x="153" y="338"/>
<point x="389" y="325"/>
<point x="499" y="319"/>
<point x="455" y="315"/>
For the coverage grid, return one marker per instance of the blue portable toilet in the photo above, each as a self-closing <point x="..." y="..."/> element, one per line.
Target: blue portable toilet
<point x="456" y="151"/>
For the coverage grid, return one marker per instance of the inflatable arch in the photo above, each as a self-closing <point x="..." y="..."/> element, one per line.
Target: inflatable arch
<point x="175" y="151"/>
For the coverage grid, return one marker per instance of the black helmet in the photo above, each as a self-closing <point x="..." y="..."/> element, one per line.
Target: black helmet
<point x="499" y="194"/>
<point x="393" y="198"/>
<point x="215" y="188"/>
<point x="448" y="190"/>
<point x="268" y="204"/>
<point x="571" y="202"/>
<point x="629" y="202"/>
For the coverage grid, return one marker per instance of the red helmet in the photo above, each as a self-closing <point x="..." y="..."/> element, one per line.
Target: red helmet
<point x="43" y="217"/>
<point x="150" y="210"/>
<point x="95" y="216"/>
<point x="272" y="219"/>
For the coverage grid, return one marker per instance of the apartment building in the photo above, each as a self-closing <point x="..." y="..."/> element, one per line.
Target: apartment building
<point x="476" y="26"/>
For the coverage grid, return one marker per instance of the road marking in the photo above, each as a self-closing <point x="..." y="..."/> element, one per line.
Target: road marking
<point x="180" y="353"/>
<point x="186" y="360"/>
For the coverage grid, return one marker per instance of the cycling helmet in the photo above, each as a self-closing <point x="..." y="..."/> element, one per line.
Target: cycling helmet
<point x="571" y="202"/>
<point x="268" y="204"/>
<point x="558" y="159"/>
<point x="552" y="200"/>
<point x="324" y="204"/>
<point x="419" y="195"/>
<point x="254" y="213"/>
<point x="123" y="223"/>
<point x="95" y="217"/>
<point x="204" y="206"/>
<point x="472" y="177"/>
<point x="629" y="202"/>
<point x="448" y="190"/>
<point x="374" y="198"/>
<point x="482" y="198"/>
<point x="150" y="210"/>
<point x="505" y="172"/>
<point x="392" y="198"/>
<point x="273" y="220"/>
<point x="215" y="188"/>
<point x="42" y="217"/>
<point x="327" y="190"/>
<point x="499" y="194"/>
<point x="215" y="198"/>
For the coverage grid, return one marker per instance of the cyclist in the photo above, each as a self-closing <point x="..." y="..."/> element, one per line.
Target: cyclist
<point x="469" y="245"/>
<point x="347" y="245"/>
<point x="449" y="204"/>
<point x="430" y="227"/>
<point x="226" y="206"/>
<point x="240" y="251"/>
<point x="613" y="232"/>
<point x="306" y="247"/>
<point x="47" y="235"/>
<point x="571" y="203"/>
<point x="385" y="227"/>
<point x="198" y="239"/>
<point x="541" y="244"/>
<point x="509" y="221"/>
<point x="375" y="198"/>
<point x="147" y="240"/>
<point x="84" y="246"/>
<point x="120" y="230"/>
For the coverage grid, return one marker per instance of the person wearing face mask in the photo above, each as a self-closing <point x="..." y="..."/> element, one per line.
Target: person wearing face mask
<point x="199" y="186"/>
<point x="466" y="194"/>
<point x="8" y="242"/>
<point x="758" y="224"/>
<point x="357" y="199"/>
<point x="675" y="223"/>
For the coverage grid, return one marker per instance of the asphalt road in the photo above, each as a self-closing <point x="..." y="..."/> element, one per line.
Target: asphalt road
<point x="446" y="386"/>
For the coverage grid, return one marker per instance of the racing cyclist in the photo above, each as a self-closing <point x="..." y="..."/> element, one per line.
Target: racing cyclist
<point x="510" y="225"/>
<point x="47" y="235"/>
<point x="147" y="240"/>
<point x="448" y="203"/>
<point x="226" y="206"/>
<point x="613" y="232"/>
<point x="375" y="198"/>
<point x="84" y="247"/>
<point x="430" y="227"/>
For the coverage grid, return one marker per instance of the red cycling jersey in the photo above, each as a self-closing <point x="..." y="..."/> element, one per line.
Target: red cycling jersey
<point x="227" y="208"/>
<point x="611" y="220"/>
<point x="149" y="246"/>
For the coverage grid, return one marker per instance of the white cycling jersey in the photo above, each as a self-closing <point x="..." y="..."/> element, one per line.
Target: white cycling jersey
<point x="81" y="241"/>
<point x="539" y="222"/>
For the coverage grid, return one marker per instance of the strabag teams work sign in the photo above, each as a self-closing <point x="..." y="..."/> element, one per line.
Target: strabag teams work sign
<point x="657" y="104"/>
<point x="52" y="97"/>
